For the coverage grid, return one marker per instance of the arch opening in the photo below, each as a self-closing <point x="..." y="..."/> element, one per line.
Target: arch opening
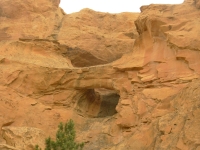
<point x="98" y="103"/>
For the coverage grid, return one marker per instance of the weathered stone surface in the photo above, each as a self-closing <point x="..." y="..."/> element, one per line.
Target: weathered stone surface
<point x="33" y="19"/>
<point x="88" y="38"/>
<point x="23" y="138"/>
<point x="147" y="99"/>
<point x="42" y="53"/>
<point x="197" y="4"/>
<point x="7" y="147"/>
<point x="104" y="36"/>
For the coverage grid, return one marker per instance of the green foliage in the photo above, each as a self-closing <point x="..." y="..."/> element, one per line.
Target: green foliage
<point x="65" y="137"/>
<point x="37" y="147"/>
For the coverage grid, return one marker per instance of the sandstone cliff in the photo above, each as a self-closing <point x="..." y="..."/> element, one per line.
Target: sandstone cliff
<point x="127" y="86"/>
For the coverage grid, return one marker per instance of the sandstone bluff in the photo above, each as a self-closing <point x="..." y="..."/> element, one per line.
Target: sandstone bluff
<point x="129" y="81"/>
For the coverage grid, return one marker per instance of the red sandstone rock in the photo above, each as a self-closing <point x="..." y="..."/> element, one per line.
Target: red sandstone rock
<point x="32" y="19"/>
<point x="7" y="147"/>
<point x="148" y="99"/>
<point x="24" y="138"/>
<point x="98" y="37"/>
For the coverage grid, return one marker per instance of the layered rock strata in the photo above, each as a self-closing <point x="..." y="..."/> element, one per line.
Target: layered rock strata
<point x="147" y="99"/>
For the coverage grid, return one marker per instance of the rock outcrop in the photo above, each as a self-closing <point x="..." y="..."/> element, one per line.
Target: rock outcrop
<point x="95" y="38"/>
<point x="147" y="99"/>
<point x="23" y="137"/>
<point x="7" y="147"/>
<point x="32" y="19"/>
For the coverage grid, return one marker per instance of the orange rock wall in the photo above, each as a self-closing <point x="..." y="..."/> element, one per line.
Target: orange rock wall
<point x="147" y="99"/>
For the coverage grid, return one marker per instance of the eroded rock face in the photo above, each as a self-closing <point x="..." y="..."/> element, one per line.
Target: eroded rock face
<point x="33" y="19"/>
<point x="104" y="36"/>
<point x="197" y="2"/>
<point x="148" y="99"/>
<point x="23" y="138"/>
<point x="88" y="38"/>
<point x="7" y="147"/>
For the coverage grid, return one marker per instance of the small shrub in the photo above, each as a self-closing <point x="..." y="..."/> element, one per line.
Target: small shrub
<point x="65" y="139"/>
<point x="37" y="147"/>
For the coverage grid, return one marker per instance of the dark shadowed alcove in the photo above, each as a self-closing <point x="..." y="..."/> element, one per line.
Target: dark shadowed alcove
<point x="98" y="103"/>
